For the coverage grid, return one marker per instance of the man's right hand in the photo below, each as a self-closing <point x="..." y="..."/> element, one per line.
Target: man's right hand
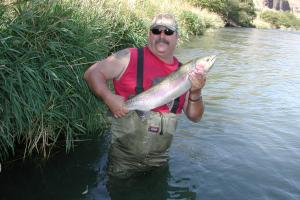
<point x="99" y="73"/>
<point x="116" y="105"/>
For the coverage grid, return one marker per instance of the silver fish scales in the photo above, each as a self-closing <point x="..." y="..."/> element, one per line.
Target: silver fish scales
<point x="171" y="87"/>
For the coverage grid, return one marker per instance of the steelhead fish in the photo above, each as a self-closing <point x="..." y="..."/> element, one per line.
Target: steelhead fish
<point x="171" y="87"/>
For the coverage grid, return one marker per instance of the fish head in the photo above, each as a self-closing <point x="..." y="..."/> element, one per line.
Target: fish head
<point x="206" y="62"/>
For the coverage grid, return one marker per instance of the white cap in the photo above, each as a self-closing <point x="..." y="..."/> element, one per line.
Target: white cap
<point x="166" y="20"/>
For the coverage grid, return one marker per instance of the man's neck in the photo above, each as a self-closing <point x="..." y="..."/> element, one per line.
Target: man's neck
<point x="169" y="59"/>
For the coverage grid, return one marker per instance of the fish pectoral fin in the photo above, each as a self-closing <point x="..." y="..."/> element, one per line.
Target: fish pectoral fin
<point x="170" y="104"/>
<point x="142" y="114"/>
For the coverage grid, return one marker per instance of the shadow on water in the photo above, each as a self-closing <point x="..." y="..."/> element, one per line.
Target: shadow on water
<point x="82" y="175"/>
<point x="63" y="176"/>
<point x="146" y="186"/>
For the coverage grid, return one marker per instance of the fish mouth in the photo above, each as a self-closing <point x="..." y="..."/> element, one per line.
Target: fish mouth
<point x="211" y="59"/>
<point x="209" y="62"/>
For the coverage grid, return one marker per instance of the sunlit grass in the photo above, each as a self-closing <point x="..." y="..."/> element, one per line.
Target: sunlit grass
<point x="283" y="19"/>
<point x="261" y="24"/>
<point x="277" y="19"/>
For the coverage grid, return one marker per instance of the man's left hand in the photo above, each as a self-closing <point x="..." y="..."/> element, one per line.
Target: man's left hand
<point x="197" y="77"/>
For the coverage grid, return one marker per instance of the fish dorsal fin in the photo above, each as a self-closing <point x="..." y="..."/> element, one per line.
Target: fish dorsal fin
<point x="142" y="114"/>
<point x="170" y="104"/>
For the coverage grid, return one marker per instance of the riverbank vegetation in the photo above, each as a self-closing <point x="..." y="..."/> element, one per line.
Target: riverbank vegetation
<point x="278" y="20"/>
<point x="45" y="48"/>
<point x="242" y="13"/>
<point x="233" y="12"/>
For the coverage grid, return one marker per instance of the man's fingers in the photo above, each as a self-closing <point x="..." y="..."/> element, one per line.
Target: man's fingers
<point x="121" y="113"/>
<point x="199" y="66"/>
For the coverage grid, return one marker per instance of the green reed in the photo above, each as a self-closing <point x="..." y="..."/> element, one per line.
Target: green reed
<point x="45" y="49"/>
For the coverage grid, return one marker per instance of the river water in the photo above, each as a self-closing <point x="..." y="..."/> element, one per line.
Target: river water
<point x="247" y="146"/>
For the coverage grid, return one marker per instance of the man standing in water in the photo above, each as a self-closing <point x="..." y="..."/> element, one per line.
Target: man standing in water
<point x="141" y="144"/>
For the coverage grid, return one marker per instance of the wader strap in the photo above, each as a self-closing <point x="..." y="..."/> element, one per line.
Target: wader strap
<point x="176" y="101"/>
<point x="140" y="71"/>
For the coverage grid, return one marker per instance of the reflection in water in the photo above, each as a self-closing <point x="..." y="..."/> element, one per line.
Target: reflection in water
<point x="153" y="185"/>
<point x="61" y="177"/>
<point x="150" y="185"/>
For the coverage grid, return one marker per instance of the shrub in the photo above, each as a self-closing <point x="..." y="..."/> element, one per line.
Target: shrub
<point x="241" y="12"/>
<point x="281" y="19"/>
<point x="190" y="22"/>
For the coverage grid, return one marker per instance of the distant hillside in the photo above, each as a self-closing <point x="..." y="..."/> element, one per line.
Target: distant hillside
<point x="283" y="5"/>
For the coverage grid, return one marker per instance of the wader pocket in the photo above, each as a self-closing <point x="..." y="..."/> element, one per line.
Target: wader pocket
<point x="161" y="127"/>
<point x="169" y="123"/>
<point x="125" y="125"/>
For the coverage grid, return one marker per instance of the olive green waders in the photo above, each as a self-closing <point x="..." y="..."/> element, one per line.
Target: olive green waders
<point x="140" y="144"/>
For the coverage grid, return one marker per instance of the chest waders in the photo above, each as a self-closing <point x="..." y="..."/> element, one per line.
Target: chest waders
<point x="141" y="144"/>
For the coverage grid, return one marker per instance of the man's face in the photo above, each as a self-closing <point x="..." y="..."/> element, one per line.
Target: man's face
<point x="162" y="41"/>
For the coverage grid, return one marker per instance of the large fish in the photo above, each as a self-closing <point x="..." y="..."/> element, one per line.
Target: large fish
<point x="171" y="87"/>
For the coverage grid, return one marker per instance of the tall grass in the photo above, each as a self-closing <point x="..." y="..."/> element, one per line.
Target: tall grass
<point x="45" y="48"/>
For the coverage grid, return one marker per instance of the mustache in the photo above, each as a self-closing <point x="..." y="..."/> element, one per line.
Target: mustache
<point x="162" y="40"/>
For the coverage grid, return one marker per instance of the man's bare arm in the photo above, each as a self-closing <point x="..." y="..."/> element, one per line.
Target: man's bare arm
<point x="110" y="68"/>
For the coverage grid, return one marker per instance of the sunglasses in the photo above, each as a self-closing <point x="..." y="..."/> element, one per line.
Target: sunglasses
<point x="167" y="31"/>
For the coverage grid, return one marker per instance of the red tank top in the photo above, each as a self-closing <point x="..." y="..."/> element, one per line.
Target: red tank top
<point x="154" y="68"/>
